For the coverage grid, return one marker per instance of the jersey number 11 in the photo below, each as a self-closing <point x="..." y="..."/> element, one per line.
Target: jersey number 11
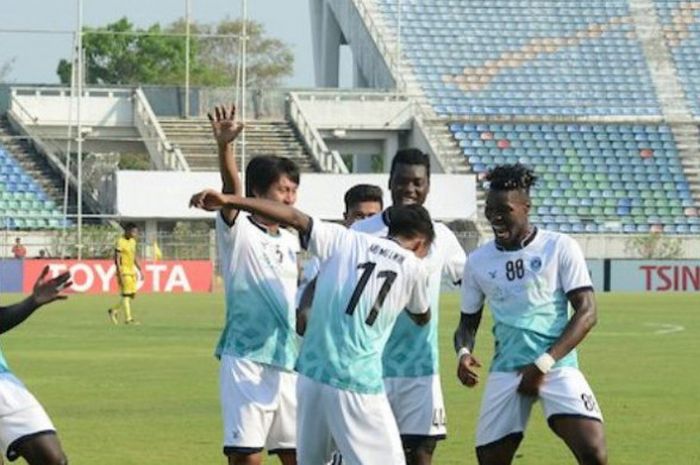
<point x="389" y="278"/>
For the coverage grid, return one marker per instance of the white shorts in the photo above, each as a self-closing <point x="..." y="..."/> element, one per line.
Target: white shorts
<point x="21" y="415"/>
<point x="564" y="391"/>
<point x="360" y="426"/>
<point x="258" y="404"/>
<point x="418" y="405"/>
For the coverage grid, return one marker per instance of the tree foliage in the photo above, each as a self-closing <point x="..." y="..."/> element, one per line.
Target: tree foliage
<point x="156" y="55"/>
<point x="655" y="246"/>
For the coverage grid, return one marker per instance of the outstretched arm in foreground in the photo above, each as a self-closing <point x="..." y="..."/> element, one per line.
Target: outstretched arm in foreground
<point x="212" y="200"/>
<point x="44" y="292"/>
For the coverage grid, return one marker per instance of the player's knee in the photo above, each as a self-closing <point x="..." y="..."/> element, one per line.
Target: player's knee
<point x="55" y="458"/>
<point x="593" y="454"/>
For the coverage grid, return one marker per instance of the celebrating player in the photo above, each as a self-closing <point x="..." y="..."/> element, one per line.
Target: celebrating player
<point x="365" y="282"/>
<point x="25" y="429"/>
<point x="126" y="263"/>
<point x="361" y="201"/>
<point x="257" y="348"/>
<point x="528" y="276"/>
<point x="411" y="370"/>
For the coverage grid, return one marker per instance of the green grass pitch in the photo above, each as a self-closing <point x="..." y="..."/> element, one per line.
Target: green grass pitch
<point x="149" y="394"/>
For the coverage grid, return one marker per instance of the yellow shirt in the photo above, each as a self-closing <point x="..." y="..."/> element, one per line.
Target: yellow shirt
<point x="127" y="255"/>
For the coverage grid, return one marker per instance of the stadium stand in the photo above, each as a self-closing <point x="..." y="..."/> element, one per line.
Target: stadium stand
<point x="481" y="62"/>
<point x="593" y="177"/>
<point x="23" y="203"/>
<point x="681" y="32"/>
<point x="263" y="137"/>
<point x="497" y="57"/>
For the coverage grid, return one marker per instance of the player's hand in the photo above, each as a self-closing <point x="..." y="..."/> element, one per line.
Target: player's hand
<point x="45" y="292"/>
<point x="224" y="125"/>
<point x="531" y="381"/>
<point x="466" y="370"/>
<point x="209" y="200"/>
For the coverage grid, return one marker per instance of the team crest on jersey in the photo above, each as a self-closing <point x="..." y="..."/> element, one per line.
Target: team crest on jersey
<point x="536" y="264"/>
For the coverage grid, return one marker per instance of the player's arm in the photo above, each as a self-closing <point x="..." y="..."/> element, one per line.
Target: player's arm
<point x="276" y="211"/>
<point x="304" y="308"/>
<point x="44" y="292"/>
<point x="575" y="280"/>
<point x="418" y="307"/>
<point x="226" y="130"/>
<point x="472" y="303"/>
<point x="118" y="264"/>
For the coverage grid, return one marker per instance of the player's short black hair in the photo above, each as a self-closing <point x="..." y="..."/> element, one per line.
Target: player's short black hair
<point x="410" y="157"/>
<point x="511" y="177"/>
<point x="363" y="193"/>
<point x="410" y="221"/>
<point x="130" y="225"/>
<point x="264" y="171"/>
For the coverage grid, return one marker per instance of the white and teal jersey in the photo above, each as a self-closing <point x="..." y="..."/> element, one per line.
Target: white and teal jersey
<point x="526" y="290"/>
<point x="4" y="367"/>
<point x="412" y="350"/>
<point x="363" y="285"/>
<point x="260" y="279"/>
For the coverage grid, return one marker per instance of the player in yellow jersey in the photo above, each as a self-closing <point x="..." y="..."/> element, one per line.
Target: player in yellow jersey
<point x="127" y="265"/>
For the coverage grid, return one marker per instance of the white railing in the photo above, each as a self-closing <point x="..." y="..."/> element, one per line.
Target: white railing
<point x="388" y="52"/>
<point x="328" y="160"/>
<point x="165" y="156"/>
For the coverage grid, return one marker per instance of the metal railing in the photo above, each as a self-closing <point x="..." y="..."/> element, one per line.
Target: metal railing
<point x="164" y="155"/>
<point x="328" y="160"/>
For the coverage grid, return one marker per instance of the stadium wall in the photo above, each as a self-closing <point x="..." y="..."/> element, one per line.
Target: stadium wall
<point x="98" y="276"/>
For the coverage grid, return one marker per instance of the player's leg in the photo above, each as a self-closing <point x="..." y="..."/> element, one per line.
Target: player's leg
<point x="314" y="435"/>
<point x="574" y="415"/>
<point x="25" y="428"/>
<point x="363" y="428"/>
<point x="129" y="293"/>
<point x="419" y="409"/>
<point x="282" y="437"/>
<point x="247" y="400"/>
<point x="502" y="420"/>
<point x="41" y="449"/>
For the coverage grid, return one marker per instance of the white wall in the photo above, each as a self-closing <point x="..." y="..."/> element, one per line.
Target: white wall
<point x="159" y="194"/>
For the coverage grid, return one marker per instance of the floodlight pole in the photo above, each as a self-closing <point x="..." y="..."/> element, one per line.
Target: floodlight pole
<point x="244" y="47"/>
<point x="187" y="58"/>
<point x="80" y="129"/>
<point x="399" y="81"/>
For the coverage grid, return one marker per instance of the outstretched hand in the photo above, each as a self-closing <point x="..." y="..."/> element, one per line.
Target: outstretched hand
<point x="224" y="125"/>
<point x="209" y="200"/>
<point x="45" y="292"/>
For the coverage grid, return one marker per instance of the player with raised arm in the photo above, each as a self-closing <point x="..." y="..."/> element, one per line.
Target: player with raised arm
<point x="25" y="429"/>
<point x="411" y="358"/>
<point x="364" y="283"/>
<point x="361" y="201"/>
<point x="257" y="349"/>
<point x="529" y="277"/>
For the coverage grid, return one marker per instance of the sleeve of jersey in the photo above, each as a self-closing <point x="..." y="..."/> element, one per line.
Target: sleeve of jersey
<point x="456" y="258"/>
<point x="573" y="271"/>
<point x="226" y="235"/>
<point x="471" y="293"/>
<point x="327" y="238"/>
<point x="419" y="302"/>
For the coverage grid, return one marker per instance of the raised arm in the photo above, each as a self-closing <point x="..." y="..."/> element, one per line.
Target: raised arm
<point x="211" y="200"/>
<point x="464" y="341"/>
<point x="44" y="292"/>
<point x="226" y="130"/>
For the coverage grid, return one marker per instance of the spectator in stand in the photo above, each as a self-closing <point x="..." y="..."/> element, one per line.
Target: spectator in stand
<point x="19" y="250"/>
